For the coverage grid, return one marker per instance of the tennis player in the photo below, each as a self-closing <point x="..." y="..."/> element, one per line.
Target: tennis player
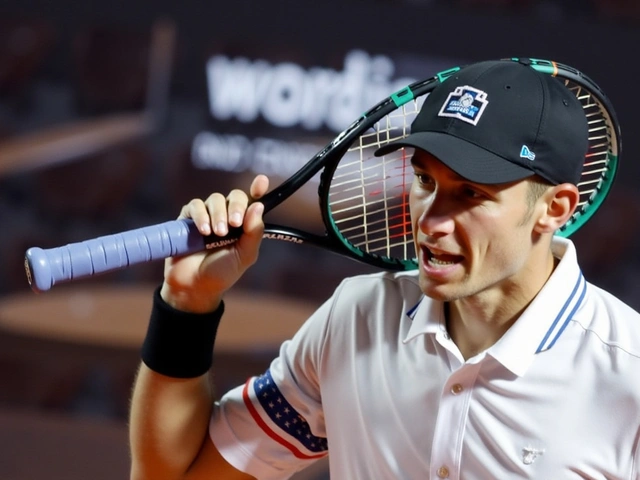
<point x="496" y="359"/>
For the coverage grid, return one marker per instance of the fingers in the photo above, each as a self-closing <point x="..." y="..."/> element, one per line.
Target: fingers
<point x="259" y="186"/>
<point x="197" y="210"/>
<point x="253" y="228"/>
<point x="253" y="224"/>
<point x="226" y="211"/>
<point x="217" y="213"/>
<point x="206" y="275"/>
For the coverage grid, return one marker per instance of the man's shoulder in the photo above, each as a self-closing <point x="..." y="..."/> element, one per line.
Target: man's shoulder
<point x="372" y="309"/>
<point x="605" y="301"/>
<point x="616" y="323"/>
<point x="387" y="291"/>
<point x="391" y="281"/>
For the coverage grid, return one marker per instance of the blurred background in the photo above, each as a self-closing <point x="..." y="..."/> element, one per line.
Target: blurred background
<point x="115" y="114"/>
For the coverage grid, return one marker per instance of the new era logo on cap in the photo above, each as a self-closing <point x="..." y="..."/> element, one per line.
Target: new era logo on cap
<point x="526" y="153"/>
<point x="465" y="103"/>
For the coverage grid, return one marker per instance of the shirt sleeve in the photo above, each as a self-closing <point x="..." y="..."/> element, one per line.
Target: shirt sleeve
<point x="273" y="425"/>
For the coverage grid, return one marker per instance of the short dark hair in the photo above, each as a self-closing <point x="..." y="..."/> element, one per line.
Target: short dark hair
<point x="537" y="187"/>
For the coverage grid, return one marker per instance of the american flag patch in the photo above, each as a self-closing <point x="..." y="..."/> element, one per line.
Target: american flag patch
<point x="280" y="420"/>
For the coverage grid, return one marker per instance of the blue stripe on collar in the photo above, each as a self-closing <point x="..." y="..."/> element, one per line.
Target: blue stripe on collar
<point x="411" y="313"/>
<point x="562" y="319"/>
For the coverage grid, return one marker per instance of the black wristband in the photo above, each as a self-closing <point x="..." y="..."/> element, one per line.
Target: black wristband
<point x="179" y="344"/>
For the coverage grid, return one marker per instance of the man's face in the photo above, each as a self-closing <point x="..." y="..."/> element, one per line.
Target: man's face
<point x="473" y="240"/>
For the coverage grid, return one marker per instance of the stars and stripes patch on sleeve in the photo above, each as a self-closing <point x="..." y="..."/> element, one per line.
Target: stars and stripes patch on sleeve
<point x="278" y="419"/>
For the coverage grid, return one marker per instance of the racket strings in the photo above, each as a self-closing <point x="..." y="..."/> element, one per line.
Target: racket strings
<point x="600" y="149"/>
<point x="368" y="195"/>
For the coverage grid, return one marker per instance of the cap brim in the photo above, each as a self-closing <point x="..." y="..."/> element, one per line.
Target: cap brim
<point x="466" y="159"/>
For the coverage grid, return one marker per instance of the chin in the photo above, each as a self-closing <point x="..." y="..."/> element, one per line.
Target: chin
<point x="439" y="292"/>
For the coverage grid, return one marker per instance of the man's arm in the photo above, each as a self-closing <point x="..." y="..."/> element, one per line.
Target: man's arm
<point x="169" y="427"/>
<point x="173" y="396"/>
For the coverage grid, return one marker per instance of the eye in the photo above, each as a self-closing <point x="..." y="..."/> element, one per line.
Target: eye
<point x="471" y="192"/>
<point x="425" y="180"/>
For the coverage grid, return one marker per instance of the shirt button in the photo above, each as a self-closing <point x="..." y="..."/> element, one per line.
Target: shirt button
<point x="443" y="472"/>
<point x="456" y="389"/>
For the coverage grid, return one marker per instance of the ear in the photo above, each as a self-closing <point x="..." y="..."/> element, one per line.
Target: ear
<point x="561" y="201"/>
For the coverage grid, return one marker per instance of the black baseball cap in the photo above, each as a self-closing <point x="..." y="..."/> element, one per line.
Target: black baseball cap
<point x="501" y="121"/>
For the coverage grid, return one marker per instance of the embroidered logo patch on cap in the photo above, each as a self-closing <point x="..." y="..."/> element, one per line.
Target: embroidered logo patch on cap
<point x="465" y="103"/>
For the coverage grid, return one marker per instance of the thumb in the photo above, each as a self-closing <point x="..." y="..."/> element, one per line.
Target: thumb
<point x="259" y="186"/>
<point x="253" y="228"/>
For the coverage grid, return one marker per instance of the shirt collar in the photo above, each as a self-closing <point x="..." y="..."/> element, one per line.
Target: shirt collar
<point x="426" y="317"/>
<point x="545" y="319"/>
<point x="539" y="326"/>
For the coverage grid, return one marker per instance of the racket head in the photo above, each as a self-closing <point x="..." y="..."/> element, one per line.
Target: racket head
<point x="601" y="161"/>
<point x="364" y="199"/>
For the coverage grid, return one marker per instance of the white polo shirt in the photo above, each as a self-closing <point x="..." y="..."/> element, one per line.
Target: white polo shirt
<point x="374" y="377"/>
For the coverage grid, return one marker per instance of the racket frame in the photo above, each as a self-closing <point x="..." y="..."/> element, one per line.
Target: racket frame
<point x="567" y="73"/>
<point x="41" y="263"/>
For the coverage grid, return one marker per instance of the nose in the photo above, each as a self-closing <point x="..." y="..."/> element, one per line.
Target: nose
<point x="437" y="217"/>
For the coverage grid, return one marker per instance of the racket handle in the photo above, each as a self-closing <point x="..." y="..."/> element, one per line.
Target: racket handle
<point x="46" y="268"/>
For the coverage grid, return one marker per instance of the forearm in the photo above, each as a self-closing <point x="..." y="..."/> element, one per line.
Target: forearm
<point x="172" y="397"/>
<point x="168" y="424"/>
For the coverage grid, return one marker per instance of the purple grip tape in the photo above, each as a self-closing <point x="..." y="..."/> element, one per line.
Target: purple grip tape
<point x="45" y="268"/>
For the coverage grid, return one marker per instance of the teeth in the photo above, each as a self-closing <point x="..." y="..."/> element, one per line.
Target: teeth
<point x="435" y="261"/>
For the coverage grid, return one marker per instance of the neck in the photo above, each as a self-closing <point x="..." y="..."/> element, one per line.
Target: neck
<point x="477" y="322"/>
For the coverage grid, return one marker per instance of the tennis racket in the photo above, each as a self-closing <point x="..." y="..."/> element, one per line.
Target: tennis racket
<point x="363" y="199"/>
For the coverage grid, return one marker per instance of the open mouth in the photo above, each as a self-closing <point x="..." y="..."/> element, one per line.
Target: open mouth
<point x="438" y="259"/>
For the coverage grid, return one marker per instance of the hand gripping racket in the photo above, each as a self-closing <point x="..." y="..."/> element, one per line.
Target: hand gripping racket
<point x="363" y="198"/>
